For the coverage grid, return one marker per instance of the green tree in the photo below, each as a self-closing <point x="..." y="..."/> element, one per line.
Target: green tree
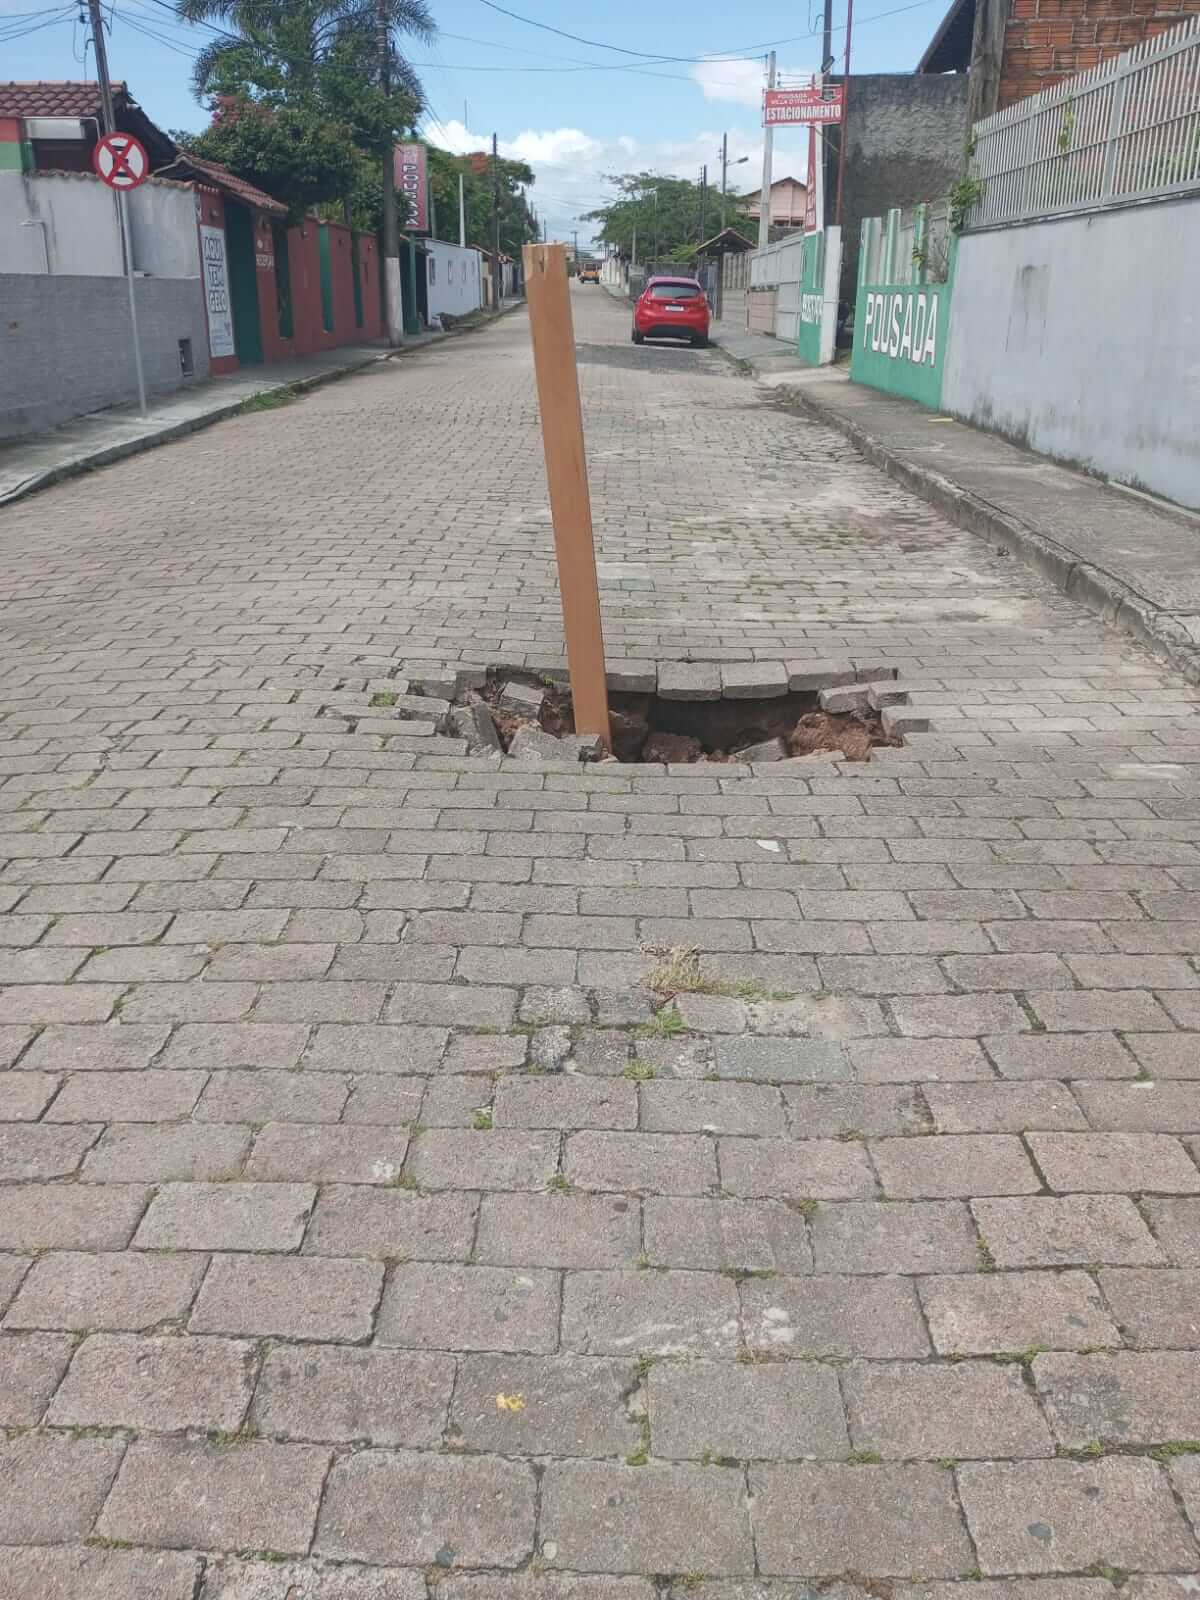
<point x="298" y="106"/>
<point x="666" y="210"/>
<point x="517" y="224"/>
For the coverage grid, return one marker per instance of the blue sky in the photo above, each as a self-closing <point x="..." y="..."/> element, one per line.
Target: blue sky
<point x="572" y="121"/>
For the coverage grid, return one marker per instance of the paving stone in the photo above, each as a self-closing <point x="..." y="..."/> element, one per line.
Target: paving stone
<point x="391" y="1224"/>
<point x="833" y="1111"/>
<point x="771" y="1411"/>
<point x="1128" y="1398"/>
<point x="146" y="1096"/>
<point x="455" y="1005"/>
<point x="25" y="1095"/>
<point x="942" y="1165"/>
<point x="1167" y="1055"/>
<point x="711" y="1108"/>
<point x="418" y="1508"/>
<point x="689" y="680"/>
<point x="12" y="1270"/>
<point x="642" y="1163"/>
<point x="1186" y="1479"/>
<point x="1108" y="1162"/>
<point x="230" y="1578"/>
<point x="545" y="1405"/>
<point x="1073" y="1231"/>
<point x="558" y="1230"/>
<point x="1141" y="1107"/>
<point x="268" y="1096"/>
<point x="185" y="1495"/>
<point x="649" y="1313"/>
<point x="781" y="1060"/>
<point x="918" y="1061"/>
<point x="1127" y="1010"/>
<point x="1003" y="1107"/>
<point x="70" y="1216"/>
<point x="227" y="1216"/>
<point x="167" y="1152"/>
<point x="41" y="1150"/>
<point x="963" y="1410"/>
<point x="79" y="1572"/>
<point x="729" y="1235"/>
<point x="711" y="1013"/>
<point x="603" y="1517"/>
<point x="875" y="1236"/>
<point x="291" y="1151"/>
<point x="788" y="1169"/>
<point x="1154" y="1307"/>
<point x="226" y="1046"/>
<point x="30" y="1369"/>
<point x="446" y="1307"/>
<point x="290" y="1297"/>
<point x="403" y="1102"/>
<point x="454" y="1158"/>
<point x="888" y="1520"/>
<point x="340" y="1395"/>
<point x="117" y="1291"/>
<point x="1012" y="1311"/>
<point x="1056" y="1516"/>
<point x="1047" y="1055"/>
<point x="161" y="1385"/>
<point x="833" y="1316"/>
<point x="967" y="1016"/>
<point x="53" y="1486"/>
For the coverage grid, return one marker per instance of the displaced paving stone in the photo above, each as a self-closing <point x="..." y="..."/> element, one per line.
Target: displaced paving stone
<point x="475" y="724"/>
<point x="689" y="680"/>
<point x="753" y="680"/>
<point x="53" y="1486"/>
<point x="953" y="1164"/>
<point x="80" y="1572"/>
<point x="444" y="1307"/>
<point x="558" y="1230"/>
<point x="1128" y="1398"/>
<point x="418" y="1508"/>
<point x="522" y="699"/>
<point x="774" y="1060"/>
<point x="887" y="1520"/>
<point x="1154" y="1307"/>
<point x="963" y="1410"/>
<point x="1073" y="1231"/>
<point x="30" y="1369"/>
<point x="290" y="1297"/>
<point x="852" y="697"/>
<point x="772" y="1411"/>
<point x="187" y="1495"/>
<point x="338" y="1395"/>
<point x="649" y="1313"/>
<point x="728" y="1235"/>
<point x="602" y="1517"/>
<point x="833" y="1316"/>
<point x="122" y="1290"/>
<point x="227" y="1216"/>
<point x="1014" y="1311"/>
<point x="796" y="1169"/>
<point x="545" y="1405"/>
<point x="161" y="1385"/>
<point x="875" y="1236"/>
<point x="1111" y="1162"/>
<point x="1055" y="1516"/>
<point x="391" y="1224"/>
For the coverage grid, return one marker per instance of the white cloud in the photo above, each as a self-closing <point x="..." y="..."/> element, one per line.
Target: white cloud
<point x="740" y="80"/>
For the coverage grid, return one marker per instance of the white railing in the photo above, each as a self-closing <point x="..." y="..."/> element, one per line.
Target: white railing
<point x="1127" y="130"/>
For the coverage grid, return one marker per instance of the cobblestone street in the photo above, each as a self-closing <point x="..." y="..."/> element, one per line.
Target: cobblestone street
<point x="389" y="1199"/>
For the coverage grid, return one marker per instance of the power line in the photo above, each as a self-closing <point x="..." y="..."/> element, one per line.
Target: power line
<point x="599" y="44"/>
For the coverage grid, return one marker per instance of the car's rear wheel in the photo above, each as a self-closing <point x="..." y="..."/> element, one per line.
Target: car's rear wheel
<point x="638" y="338"/>
<point x="700" y="341"/>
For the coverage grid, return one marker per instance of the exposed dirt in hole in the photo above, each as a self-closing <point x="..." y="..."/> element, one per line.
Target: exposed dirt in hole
<point x="647" y="728"/>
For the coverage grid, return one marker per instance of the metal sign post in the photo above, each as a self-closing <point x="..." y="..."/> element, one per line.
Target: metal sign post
<point x="121" y="162"/>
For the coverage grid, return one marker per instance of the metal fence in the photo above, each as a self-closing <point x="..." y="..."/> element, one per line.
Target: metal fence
<point x="1127" y="130"/>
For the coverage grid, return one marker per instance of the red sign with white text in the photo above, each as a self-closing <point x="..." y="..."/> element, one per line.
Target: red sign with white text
<point x="788" y="107"/>
<point x="411" y="182"/>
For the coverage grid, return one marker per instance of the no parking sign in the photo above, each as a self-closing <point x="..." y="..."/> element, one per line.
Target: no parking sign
<point x="121" y="161"/>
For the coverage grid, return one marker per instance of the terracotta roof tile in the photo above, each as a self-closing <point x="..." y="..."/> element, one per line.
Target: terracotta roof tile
<point x="52" y="99"/>
<point x="221" y="178"/>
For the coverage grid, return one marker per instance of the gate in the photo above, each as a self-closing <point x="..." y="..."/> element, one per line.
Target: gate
<point x="817" y="336"/>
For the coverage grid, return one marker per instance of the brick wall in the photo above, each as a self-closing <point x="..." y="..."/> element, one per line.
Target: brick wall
<point x="1046" y="41"/>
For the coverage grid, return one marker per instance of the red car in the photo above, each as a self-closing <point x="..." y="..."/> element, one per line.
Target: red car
<point x="671" y="308"/>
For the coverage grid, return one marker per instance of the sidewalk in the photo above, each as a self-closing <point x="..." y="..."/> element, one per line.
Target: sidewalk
<point x="87" y="442"/>
<point x="1129" y="558"/>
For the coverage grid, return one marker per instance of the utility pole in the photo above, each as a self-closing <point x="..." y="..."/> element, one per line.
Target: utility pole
<point x="462" y="212"/>
<point x="392" y="300"/>
<point x="724" y="174"/>
<point x="655" y="225"/>
<point x="841" y="174"/>
<point x="497" y="272"/>
<point x="633" y="252"/>
<point x="575" y="244"/>
<point x="703" y="199"/>
<point x="106" y="106"/>
<point x="764" y="198"/>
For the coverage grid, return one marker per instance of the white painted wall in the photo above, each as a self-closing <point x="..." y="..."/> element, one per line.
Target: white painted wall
<point x="66" y="224"/>
<point x="1080" y="338"/>
<point x="455" y="278"/>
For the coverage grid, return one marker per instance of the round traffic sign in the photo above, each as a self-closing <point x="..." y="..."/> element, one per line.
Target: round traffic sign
<point x="121" y="161"/>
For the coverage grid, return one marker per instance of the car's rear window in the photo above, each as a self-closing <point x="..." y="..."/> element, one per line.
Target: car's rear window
<point x="674" y="291"/>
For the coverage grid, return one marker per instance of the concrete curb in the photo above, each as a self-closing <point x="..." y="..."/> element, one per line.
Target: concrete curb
<point x="171" y="431"/>
<point x="1161" y="631"/>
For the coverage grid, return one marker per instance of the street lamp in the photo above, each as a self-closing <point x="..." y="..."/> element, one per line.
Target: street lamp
<point x="725" y="166"/>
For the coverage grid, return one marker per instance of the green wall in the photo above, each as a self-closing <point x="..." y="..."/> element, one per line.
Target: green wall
<point x="812" y="294"/>
<point x="901" y="327"/>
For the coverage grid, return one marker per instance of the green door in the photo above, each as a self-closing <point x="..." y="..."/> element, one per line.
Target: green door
<point x="243" y="285"/>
